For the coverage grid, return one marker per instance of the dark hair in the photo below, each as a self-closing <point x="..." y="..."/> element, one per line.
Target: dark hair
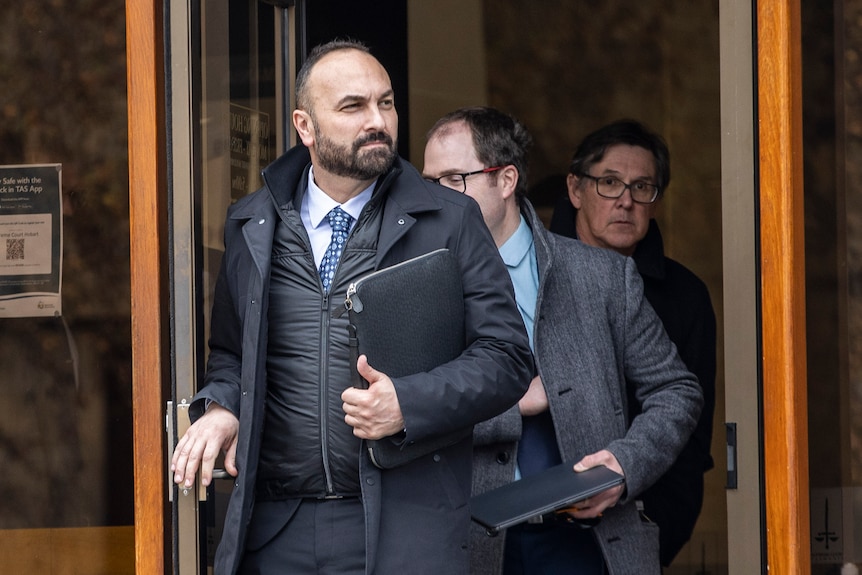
<point x="318" y="52"/>
<point x="498" y="138"/>
<point x="626" y="132"/>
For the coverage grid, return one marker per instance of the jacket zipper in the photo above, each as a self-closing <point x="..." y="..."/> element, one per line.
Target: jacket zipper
<point x="323" y="399"/>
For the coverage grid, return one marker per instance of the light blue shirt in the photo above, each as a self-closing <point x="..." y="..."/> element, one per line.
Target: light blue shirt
<point x="316" y="204"/>
<point x="519" y="255"/>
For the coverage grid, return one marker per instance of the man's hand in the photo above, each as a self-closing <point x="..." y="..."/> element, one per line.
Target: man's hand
<point x="373" y="413"/>
<point x="595" y="505"/>
<point x="215" y="431"/>
<point x="535" y="401"/>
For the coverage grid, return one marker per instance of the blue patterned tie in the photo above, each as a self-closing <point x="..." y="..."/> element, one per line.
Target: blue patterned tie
<point x="340" y="222"/>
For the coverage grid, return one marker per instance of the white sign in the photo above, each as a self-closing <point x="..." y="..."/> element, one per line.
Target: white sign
<point x="31" y="240"/>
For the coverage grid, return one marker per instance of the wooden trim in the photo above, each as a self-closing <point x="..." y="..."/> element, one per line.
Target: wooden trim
<point x="145" y="78"/>
<point x="785" y="417"/>
<point x="91" y="550"/>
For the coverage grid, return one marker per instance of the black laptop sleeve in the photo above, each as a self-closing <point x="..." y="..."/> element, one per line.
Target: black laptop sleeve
<point x="408" y="318"/>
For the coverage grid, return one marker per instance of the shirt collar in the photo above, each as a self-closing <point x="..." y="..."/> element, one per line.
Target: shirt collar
<point x="320" y="204"/>
<point x="516" y="248"/>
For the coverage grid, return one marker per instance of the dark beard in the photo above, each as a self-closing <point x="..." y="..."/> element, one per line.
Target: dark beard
<point x="356" y="163"/>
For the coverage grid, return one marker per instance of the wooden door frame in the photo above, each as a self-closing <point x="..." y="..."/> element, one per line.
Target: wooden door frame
<point x="782" y="274"/>
<point x="782" y="268"/>
<point x="147" y="200"/>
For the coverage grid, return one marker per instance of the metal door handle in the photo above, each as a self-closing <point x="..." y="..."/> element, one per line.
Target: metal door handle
<point x="222" y="474"/>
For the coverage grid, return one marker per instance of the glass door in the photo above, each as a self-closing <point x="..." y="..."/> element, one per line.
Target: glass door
<point x="231" y="69"/>
<point x="65" y="336"/>
<point x="563" y="68"/>
<point x="226" y="117"/>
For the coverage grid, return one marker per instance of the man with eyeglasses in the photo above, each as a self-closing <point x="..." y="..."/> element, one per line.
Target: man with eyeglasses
<point x="591" y="331"/>
<point x="617" y="176"/>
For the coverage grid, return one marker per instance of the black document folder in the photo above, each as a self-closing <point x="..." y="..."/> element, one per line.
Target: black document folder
<point x="555" y="488"/>
<point x="408" y="318"/>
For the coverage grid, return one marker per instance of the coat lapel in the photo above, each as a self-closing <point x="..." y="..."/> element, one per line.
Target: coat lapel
<point x="258" y="230"/>
<point x="412" y="195"/>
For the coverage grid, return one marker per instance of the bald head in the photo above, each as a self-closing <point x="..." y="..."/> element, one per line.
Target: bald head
<point x="303" y="97"/>
<point x="346" y="117"/>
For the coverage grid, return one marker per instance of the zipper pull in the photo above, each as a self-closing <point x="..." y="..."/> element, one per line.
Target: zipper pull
<point x="351" y="302"/>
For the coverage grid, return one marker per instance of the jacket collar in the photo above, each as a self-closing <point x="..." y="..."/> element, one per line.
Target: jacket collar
<point x="285" y="176"/>
<point x="542" y="239"/>
<point x="280" y="182"/>
<point x="649" y="254"/>
<point x="402" y="188"/>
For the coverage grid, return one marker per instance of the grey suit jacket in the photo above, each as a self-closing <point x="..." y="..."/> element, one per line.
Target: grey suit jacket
<point x="594" y="330"/>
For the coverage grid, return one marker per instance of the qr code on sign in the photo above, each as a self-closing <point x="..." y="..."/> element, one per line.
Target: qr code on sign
<point x="15" y="249"/>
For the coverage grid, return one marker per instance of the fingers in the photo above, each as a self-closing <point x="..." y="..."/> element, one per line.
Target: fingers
<point x="603" y="457"/>
<point x="230" y="459"/>
<point x="372" y="417"/>
<point x="186" y="460"/>
<point x="194" y="453"/>
<point x="207" y="463"/>
<point x="179" y="459"/>
<point x="535" y="401"/>
<point x="373" y="413"/>
<point x="199" y="448"/>
<point x="595" y="505"/>
<point x="589" y="461"/>
<point x="571" y="509"/>
<point x="367" y="372"/>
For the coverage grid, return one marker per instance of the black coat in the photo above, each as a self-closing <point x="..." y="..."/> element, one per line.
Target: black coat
<point x="417" y="515"/>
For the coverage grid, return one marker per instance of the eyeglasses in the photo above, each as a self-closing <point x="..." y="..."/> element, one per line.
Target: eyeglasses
<point x="458" y="182"/>
<point x="612" y="188"/>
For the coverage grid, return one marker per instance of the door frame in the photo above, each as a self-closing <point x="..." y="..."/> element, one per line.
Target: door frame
<point x="782" y="284"/>
<point x="147" y="210"/>
<point x="764" y="288"/>
<point x="775" y="252"/>
<point x="739" y="252"/>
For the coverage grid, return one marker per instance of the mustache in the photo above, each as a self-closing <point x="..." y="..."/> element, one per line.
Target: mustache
<point x="373" y="137"/>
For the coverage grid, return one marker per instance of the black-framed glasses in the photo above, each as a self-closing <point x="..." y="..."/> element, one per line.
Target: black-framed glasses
<point x="612" y="188"/>
<point x="458" y="182"/>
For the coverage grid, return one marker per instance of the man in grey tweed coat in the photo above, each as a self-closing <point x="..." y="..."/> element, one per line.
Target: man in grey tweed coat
<point x="591" y="330"/>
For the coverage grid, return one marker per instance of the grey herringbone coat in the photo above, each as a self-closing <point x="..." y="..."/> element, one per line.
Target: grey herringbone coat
<point x="594" y="330"/>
